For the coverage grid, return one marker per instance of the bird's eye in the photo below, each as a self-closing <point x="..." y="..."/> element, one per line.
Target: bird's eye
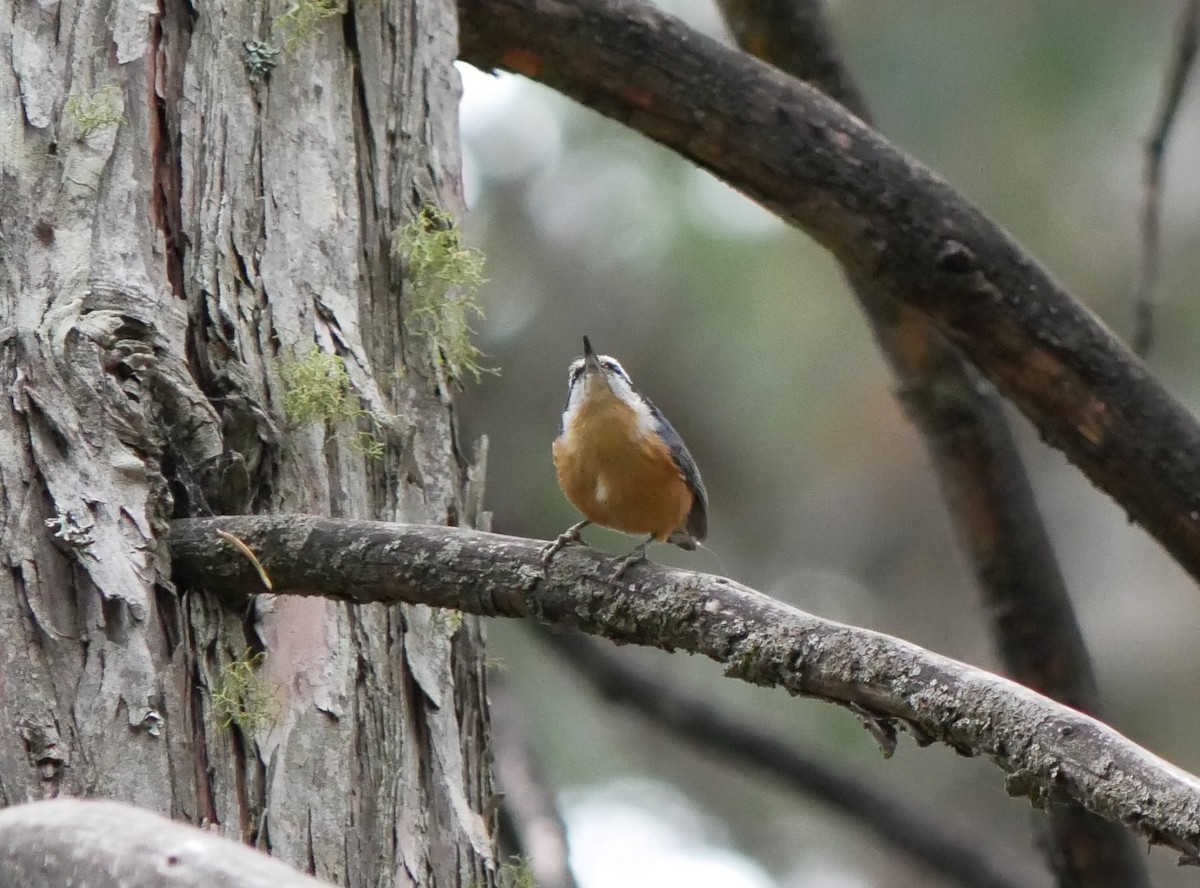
<point x="613" y="367"/>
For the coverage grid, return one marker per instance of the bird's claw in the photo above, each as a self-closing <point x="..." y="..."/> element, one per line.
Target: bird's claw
<point x="634" y="557"/>
<point x="563" y="540"/>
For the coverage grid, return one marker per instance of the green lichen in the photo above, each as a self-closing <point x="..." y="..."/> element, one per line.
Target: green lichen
<point x="443" y="277"/>
<point x="303" y="18"/>
<point x="317" y="388"/>
<point x="242" y="697"/>
<point x="261" y="57"/>
<point x="516" y="873"/>
<point x="92" y="111"/>
<point x="447" y="621"/>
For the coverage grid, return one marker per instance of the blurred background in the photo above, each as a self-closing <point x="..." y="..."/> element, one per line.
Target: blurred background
<point x="744" y="333"/>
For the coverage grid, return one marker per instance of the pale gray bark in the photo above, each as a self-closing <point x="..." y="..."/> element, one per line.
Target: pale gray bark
<point x="1049" y="752"/>
<point x="177" y="227"/>
<point x="76" y="843"/>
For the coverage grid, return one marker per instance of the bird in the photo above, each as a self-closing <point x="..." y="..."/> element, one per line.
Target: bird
<point x="622" y="464"/>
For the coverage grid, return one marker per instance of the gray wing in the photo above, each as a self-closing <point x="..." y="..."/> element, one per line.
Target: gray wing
<point x="697" y="521"/>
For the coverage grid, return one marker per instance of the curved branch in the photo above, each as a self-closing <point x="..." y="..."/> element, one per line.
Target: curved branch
<point x="887" y="218"/>
<point x="983" y="480"/>
<point x="105" y="844"/>
<point x="939" y="846"/>
<point x="1050" y="753"/>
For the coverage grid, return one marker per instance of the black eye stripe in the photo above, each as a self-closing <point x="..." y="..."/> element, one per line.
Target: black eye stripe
<point x="612" y="366"/>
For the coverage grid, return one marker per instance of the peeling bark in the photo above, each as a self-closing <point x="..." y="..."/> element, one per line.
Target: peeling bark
<point x="1049" y="752"/>
<point x="178" y="226"/>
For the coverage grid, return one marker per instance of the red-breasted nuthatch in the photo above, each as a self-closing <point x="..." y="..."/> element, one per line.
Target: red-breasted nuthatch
<point x="621" y="463"/>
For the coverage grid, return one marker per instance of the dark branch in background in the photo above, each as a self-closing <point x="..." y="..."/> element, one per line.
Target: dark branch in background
<point x="984" y="482"/>
<point x="887" y="218"/>
<point x="1051" y="753"/>
<point x="1186" y="35"/>
<point x="529" y="802"/>
<point x="101" y="844"/>
<point x="941" y="847"/>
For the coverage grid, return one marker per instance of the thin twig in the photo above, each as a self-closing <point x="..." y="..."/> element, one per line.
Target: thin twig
<point x="1187" y="33"/>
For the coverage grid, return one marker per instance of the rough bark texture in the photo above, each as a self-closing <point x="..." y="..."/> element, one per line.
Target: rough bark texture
<point x="1049" y="752"/>
<point x="73" y="843"/>
<point x="181" y="222"/>
<point x="987" y="490"/>
<point x="886" y="217"/>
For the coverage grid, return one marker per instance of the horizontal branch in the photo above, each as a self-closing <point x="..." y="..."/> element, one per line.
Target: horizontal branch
<point x="1050" y="753"/>
<point x="886" y="217"/>
<point x="102" y="844"/>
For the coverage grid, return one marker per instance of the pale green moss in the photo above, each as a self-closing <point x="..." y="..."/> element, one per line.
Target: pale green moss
<point x="449" y="621"/>
<point x="317" y="389"/>
<point x="516" y="873"/>
<point x="302" y="19"/>
<point x="94" y="110"/>
<point x="242" y="697"/>
<point x="443" y="277"/>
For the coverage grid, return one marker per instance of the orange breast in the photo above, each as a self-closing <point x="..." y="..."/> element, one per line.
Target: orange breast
<point x="617" y="477"/>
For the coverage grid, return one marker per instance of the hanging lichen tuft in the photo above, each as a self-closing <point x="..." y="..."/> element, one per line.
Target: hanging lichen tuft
<point x="442" y="277"/>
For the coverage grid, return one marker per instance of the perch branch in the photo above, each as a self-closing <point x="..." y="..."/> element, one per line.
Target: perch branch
<point x="1048" y="751"/>
<point x="887" y="218"/>
<point x="983" y="479"/>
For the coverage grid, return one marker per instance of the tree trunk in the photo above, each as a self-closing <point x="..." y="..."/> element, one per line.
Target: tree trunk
<point x="183" y="216"/>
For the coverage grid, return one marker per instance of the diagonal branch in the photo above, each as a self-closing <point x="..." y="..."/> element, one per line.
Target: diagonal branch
<point x="946" y="850"/>
<point x="888" y="219"/>
<point x="1049" y="752"/>
<point x="983" y="480"/>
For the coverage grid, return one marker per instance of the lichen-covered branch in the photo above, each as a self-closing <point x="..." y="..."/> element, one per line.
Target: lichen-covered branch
<point x="1048" y="752"/>
<point x="887" y="219"/>
<point x="103" y="844"/>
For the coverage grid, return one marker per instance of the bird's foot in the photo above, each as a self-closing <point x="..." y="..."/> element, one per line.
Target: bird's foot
<point x="568" y="536"/>
<point x="634" y="557"/>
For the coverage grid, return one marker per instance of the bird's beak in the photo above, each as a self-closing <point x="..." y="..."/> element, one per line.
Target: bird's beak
<point x="591" y="364"/>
